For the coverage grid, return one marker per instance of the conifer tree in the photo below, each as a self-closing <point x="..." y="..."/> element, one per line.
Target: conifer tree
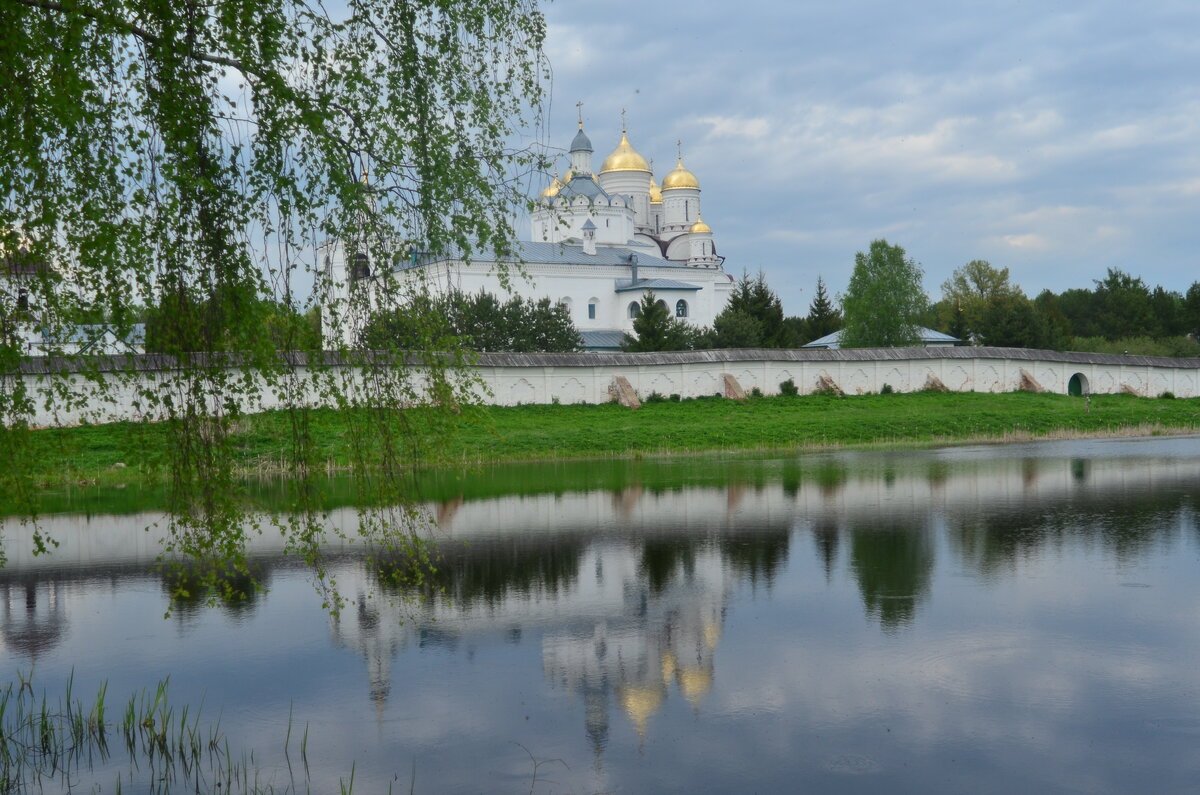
<point x="823" y="317"/>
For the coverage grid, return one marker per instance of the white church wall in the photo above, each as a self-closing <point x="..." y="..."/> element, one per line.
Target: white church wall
<point x="585" y="378"/>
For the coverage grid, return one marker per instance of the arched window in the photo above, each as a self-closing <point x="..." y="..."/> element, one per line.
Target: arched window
<point x="360" y="268"/>
<point x="681" y="308"/>
<point x="565" y="303"/>
<point x="635" y="309"/>
<point x="592" y="304"/>
<point x="663" y="304"/>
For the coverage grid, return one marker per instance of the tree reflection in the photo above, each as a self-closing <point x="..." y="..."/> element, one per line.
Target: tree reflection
<point x="825" y="536"/>
<point x="894" y="566"/>
<point x="663" y="558"/>
<point x="1128" y="522"/>
<point x="757" y="556"/>
<point x="485" y="571"/>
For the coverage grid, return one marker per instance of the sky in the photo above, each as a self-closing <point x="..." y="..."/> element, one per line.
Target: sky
<point x="1053" y="139"/>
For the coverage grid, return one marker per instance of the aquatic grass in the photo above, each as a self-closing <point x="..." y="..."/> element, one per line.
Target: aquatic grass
<point x="44" y="747"/>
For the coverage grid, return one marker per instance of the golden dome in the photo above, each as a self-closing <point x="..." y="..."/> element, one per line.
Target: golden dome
<point x="554" y="187"/>
<point x="700" y="226"/>
<point x="655" y="191"/>
<point x="624" y="158"/>
<point x="680" y="178"/>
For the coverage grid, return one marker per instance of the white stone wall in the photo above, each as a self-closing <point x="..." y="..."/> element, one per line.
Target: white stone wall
<point x="585" y="378"/>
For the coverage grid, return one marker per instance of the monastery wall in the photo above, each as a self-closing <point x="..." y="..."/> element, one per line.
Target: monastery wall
<point x="512" y="378"/>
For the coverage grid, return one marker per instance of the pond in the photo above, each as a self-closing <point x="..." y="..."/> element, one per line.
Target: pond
<point x="982" y="619"/>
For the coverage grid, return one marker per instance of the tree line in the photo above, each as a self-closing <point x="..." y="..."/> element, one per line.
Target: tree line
<point x="885" y="304"/>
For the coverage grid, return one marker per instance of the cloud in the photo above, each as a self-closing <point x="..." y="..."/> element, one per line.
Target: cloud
<point x="730" y="127"/>
<point x="812" y="126"/>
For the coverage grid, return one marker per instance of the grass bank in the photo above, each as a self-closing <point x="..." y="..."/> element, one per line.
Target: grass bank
<point x="131" y="453"/>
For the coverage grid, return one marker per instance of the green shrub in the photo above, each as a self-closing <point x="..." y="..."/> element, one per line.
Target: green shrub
<point x="886" y="389"/>
<point x="675" y="397"/>
<point x="756" y="392"/>
<point x="789" y="388"/>
<point x="1168" y="395"/>
<point x="655" y="397"/>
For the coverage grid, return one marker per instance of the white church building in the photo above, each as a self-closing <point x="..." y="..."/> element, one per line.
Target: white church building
<point x="600" y="241"/>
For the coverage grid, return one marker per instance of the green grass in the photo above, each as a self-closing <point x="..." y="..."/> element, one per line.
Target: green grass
<point x="74" y="457"/>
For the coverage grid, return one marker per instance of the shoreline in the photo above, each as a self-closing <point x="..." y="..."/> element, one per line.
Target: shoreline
<point x="133" y="454"/>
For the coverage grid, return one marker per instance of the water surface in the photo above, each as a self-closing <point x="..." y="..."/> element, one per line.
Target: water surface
<point x="983" y="619"/>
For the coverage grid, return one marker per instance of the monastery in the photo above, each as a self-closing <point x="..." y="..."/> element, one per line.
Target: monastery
<point x="600" y="240"/>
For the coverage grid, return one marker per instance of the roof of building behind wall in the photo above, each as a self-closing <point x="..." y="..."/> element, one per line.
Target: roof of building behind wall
<point x="928" y="337"/>
<point x="602" y="339"/>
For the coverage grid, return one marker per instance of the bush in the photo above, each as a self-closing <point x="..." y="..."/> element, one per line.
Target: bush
<point x="756" y="392"/>
<point x="655" y="397"/>
<point x="675" y="397"/>
<point x="1168" y="395"/>
<point x="789" y="388"/>
<point x="886" y="389"/>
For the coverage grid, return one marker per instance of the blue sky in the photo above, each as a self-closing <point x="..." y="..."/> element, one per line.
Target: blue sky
<point x="1056" y="140"/>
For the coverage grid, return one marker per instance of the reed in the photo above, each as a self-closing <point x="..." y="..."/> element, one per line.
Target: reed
<point x="64" y="746"/>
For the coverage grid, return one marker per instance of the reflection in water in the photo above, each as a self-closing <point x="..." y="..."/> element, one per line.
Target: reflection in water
<point x="630" y="601"/>
<point x="32" y="617"/>
<point x="894" y="566"/>
<point x="825" y="536"/>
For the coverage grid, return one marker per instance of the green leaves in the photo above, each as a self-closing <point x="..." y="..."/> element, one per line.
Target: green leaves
<point x="193" y="157"/>
<point x="884" y="300"/>
<point x="655" y="329"/>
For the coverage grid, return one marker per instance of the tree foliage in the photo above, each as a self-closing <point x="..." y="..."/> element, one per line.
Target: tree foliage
<point x="192" y="157"/>
<point x="478" y="322"/>
<point x="970" y="293"/>
<point x="753" y="317"/>
<point x="884" y="300"/>
<point x="823" y="315"/>
<point x="654" y="329"/>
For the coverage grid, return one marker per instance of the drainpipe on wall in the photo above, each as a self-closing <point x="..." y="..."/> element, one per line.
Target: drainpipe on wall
<point x="633" y="267"/>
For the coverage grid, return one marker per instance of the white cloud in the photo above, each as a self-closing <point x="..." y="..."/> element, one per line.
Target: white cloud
<point x="731" y="127"/>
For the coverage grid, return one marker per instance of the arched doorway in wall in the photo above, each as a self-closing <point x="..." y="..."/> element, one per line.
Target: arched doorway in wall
<point x="1078" y="385"/>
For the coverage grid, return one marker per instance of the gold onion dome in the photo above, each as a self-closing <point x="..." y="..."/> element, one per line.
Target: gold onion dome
<point x="624" y="158"/>
<point x="553" y="188"/>
<point x="700" y="227"/>
<point x="655" y="191"/>
<point x="680" y="178"/>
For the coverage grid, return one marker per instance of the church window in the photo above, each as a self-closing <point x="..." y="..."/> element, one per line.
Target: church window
<point x="634" y="309"/>
<point x="687" y="210"/>
<point x="681" y="308"/>
<point x="22" y="299"/>
<point x="564" y="304"/>
<point x="592" y="309"/>
<point x="360" y="269"/>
